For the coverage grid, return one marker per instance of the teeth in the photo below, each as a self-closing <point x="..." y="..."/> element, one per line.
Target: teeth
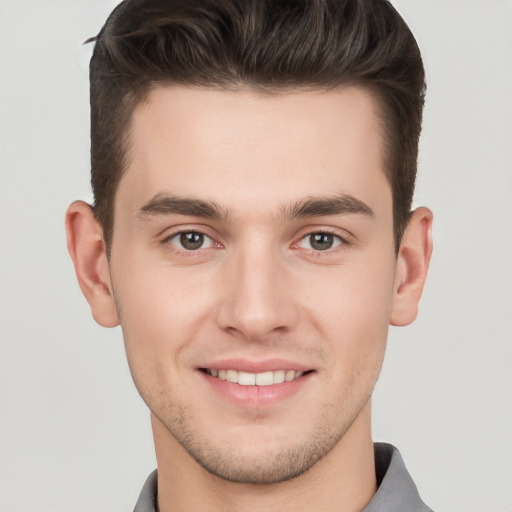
<point x="278" y="377"/>
<point x="258" y="379"/>
<point x="232" y="376"/>
<point x="265" y="379"/>
<point x="246" y="379"/>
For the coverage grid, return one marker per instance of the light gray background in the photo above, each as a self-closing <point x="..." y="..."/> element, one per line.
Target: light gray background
<point x="74" y="433"/>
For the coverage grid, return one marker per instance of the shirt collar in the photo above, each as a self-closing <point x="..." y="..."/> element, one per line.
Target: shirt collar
<point x="396" y="491"/>
<point x="147" y="498"/>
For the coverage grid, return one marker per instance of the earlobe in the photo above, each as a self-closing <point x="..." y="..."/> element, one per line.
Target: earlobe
<point x="412" y="266"/>
<point x="87" y="250"/>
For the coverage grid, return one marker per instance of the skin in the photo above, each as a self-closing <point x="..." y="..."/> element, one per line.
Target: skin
<point x="256" y="290"/>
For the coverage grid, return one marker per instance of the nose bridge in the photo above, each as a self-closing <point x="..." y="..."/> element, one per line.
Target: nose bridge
<point x="258" y="301"/>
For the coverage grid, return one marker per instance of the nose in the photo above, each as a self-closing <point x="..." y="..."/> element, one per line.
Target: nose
<point x="258" y="298"/>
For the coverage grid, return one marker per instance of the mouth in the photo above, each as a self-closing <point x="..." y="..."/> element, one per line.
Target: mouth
<point x="256" y="384"/>
<point x="268" y="378"/>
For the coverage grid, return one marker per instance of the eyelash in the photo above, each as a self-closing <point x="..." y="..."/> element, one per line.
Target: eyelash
<point x="343" y="243"/>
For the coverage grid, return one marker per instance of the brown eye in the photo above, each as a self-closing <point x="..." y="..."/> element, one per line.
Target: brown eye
<point x="191" y="241"/>
<point x="320" y="241"/>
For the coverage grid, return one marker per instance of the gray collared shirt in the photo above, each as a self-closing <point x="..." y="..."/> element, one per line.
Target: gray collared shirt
<point x="396" y="491"/>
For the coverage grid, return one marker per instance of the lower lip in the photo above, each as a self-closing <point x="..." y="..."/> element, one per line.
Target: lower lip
<point x="255" y="397"/>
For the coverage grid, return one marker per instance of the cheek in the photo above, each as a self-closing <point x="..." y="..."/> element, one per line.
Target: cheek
<point x="356" y="296"/>
<point x="154" y="297"/>
<point x="158" y="324"/>
<point x="160" y="314"/>
<point x="352" y="312"/>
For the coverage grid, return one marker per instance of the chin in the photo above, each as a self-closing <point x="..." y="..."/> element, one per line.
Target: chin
<point x="260" y="458"/>
<point x="262" y="469"/>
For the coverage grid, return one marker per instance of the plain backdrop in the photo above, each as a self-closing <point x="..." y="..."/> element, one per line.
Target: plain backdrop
<point x="74" y="434"/>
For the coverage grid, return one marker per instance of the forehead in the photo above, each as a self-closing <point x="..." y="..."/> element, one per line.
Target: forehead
<point x="250" y="149"/>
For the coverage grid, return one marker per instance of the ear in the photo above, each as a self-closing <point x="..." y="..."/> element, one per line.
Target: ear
<point x="88" y="252"/>
<point x="411" y="267"/>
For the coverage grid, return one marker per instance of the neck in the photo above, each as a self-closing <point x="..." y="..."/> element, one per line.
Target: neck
<point x="342" y="481"/>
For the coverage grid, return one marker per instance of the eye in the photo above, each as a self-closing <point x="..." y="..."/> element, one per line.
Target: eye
<point x="191" y="241"/>
<point x="320" y="241"/>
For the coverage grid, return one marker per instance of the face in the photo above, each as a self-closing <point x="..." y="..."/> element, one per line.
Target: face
<point x="253" y="270"/>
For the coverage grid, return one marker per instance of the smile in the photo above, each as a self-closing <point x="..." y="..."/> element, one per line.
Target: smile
<point x="255" y="379"/>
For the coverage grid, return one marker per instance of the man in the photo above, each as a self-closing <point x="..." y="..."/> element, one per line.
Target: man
<point x="253" y="166"/>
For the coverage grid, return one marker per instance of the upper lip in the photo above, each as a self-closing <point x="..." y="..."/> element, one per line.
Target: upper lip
<point x="251" y="366"/>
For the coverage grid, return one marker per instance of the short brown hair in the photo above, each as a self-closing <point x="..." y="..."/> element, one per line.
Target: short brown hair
<point x="272" y="45"/>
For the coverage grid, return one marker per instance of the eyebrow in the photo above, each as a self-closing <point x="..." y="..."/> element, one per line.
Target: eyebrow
<point x="342" y="204"/>
<point x="164" y="204"/>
